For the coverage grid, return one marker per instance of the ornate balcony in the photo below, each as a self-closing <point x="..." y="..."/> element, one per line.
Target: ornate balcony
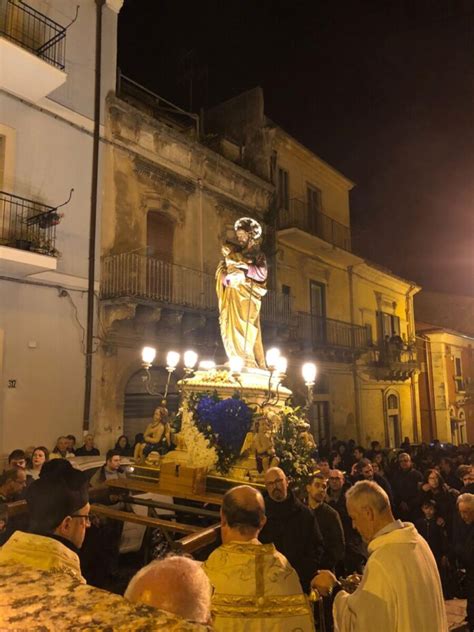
<point x="131" y="279"/>
<point x="394" y="361"/>
<point x="315" y="223"/>
<point x="32" y="51"/>
<point x="27" y="235"/>
<point x="149" y="280"/>
<point x="331" y="339"/>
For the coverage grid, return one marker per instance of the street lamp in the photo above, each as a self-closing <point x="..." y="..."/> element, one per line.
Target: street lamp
<point x="309" y="372"/>
<point x="190" y="359"/>
<point x="148" y="355"/>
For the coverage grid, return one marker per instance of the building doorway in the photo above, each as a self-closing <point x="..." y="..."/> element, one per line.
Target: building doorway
<point x="393" y="421"/>
<point x="159" y="269"/>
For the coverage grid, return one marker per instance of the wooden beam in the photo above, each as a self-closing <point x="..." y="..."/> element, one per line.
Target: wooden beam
<point x="129" y="516"/>
<point x="132" y="484"/>
<point x="195" y="541"/>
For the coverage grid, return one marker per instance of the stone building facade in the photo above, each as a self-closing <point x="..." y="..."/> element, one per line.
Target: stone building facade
<point x="352" y="317"/>
<point x="169" y="203"/>
<point x="446" y="384"/>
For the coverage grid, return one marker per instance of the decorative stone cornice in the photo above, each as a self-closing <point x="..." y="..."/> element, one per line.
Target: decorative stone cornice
<point x="157" y="172"/>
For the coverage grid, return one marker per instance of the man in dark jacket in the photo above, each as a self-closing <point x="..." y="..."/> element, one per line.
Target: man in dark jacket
<point x="328" y="521"/>
<point x="363" y="471"/>
<point x="405" y="483"/>
<point x="291" y="527"/>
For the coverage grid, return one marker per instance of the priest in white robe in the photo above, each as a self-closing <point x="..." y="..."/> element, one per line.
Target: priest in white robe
<point x="400" y="589"/>
<point x="255" y="587"/>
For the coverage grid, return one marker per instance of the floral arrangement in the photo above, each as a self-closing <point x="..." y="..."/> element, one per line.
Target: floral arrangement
<point x="224" y="423"/>
<point x="198" y="448"/>
<point x="295" y="446"/>
<point x="215" y="429"/>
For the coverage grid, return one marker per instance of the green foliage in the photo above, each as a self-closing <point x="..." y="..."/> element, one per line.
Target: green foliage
<point x="294" y="448"/>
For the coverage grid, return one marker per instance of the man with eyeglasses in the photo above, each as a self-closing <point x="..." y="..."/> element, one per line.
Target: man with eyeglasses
<point x="41" y="584"/>
<point x="291" y="527"/>
<point x="58" y="506"/>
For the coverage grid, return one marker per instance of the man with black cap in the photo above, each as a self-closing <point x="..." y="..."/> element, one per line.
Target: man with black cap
<point x="58" y="506"/>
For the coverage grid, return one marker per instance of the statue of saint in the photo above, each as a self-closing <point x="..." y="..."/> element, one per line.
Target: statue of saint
<point x="157" y="436"/>
<point x="240" y="284"/>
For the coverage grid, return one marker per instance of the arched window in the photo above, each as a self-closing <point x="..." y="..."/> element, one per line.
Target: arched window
<point x="393" y="420"/>
<point x="392" y="401"/>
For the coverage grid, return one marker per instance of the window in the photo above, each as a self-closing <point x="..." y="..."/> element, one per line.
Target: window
<point x="389" y="325"/>
<point x="283" y="189"/>
<point x="313" y="196"/>
<point x="458" y="380"/>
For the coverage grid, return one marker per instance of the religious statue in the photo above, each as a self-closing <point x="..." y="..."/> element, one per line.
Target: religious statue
<point x="258" y="448"/>
<point x="241" y="284"/>
<point x="264" y="447"/>
<point x="157" y="436"/>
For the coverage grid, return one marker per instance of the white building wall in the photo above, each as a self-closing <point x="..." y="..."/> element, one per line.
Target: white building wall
<point x="50" y="146"/>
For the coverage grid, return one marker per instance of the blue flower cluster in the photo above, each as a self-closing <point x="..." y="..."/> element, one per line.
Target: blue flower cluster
<point x="229" y="420"/>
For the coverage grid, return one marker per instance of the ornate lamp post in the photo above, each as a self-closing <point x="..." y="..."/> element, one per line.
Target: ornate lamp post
<point x="172" y="360"/>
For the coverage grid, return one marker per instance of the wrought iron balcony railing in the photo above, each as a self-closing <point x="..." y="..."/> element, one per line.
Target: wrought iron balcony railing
<point x="394" y="361"/>
<point x="327" y="332"/>
<point x="299" y="215"/>
<point x="131" y="275"/>
<point x="136" y="276"/>
<point x="33" y="31"/>
<point x="28" y="225"/>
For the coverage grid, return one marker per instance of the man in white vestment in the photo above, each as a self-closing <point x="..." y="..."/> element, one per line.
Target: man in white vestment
<point x="255" y="587"/>
<point x="400" y="590"/>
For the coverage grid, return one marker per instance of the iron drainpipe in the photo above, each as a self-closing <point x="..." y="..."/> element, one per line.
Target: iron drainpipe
<point x="93" y="216"/>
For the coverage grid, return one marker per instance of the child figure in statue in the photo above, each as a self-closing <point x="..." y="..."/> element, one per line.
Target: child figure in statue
<point x="157" y="436"/>
<point x="240" y="285"/>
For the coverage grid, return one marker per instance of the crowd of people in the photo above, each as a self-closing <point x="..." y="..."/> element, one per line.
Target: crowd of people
<point x="402" y="520"/>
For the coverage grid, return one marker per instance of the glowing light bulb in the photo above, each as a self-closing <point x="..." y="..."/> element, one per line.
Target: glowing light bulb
<point x="236" y="364"/>
<point x="309" y="371"/>
<point x="148" y="355"/>
<point x="190" y="359"/>
<point x="172" y="359"/>
<point x="272" y="357"/>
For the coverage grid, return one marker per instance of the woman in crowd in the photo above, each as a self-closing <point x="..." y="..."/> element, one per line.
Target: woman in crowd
<point x="434" y="488"/>
<point x="123" y="446"/>
<point x="39" y="457"/>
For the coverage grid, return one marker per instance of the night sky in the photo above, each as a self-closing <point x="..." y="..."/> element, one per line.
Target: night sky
<point x="383" y="91"/>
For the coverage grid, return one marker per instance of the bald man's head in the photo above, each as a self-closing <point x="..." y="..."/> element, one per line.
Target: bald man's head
<point x="276" y="484"/>
<point x="243" y="510"/>
<point x="175" y="584"/>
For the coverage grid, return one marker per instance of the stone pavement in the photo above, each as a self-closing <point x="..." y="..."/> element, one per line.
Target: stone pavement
<point x="456" y="611"/>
